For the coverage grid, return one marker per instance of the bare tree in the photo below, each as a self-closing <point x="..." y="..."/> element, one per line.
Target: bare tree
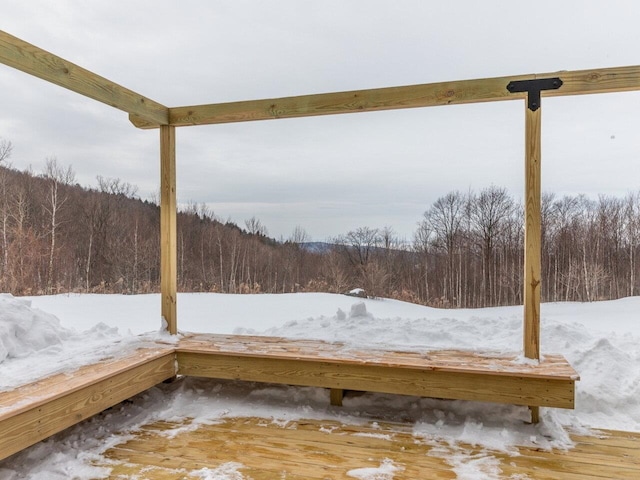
<point x="116" y="187"/>
<point x="632" y="234"/>
<point x="5" y="188"/>
<point x="445" y="217"/>
<point x="255" y="227"/>
<point x="334" y="272"/>
<point x="358" y="245"/>
<point x="57" y="176"/>
<point x="5" y="153"/>
<point x="490" y="213"/>
<point x="5" y="150"/>
<point x="298" y="236"/>
<point x="296" y="254"/>
<point x="422" y="242"/>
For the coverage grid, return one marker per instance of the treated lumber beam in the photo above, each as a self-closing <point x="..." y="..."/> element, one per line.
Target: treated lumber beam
<point x="30" y="59"/>
<point x="474" y="386"/>
<point x="532" y="234"/>
<point x="51" y="405"/>
<point x="603" y="80"/>
<point x="389" y="98"/>
<point x="600" y="80"/>
<point x="168" y="228"/>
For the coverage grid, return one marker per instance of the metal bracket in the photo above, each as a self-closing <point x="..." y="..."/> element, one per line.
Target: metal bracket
<point x="533" y="89"/>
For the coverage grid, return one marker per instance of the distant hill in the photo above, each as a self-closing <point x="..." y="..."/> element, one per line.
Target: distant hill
<point x="318" y="247"/>
<point x="58" y="236"/>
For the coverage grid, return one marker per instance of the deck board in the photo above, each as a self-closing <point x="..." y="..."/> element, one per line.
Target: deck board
<point x="325" y="449"/>
<point x="491" y="363"/>
<point x="277" y="452"/>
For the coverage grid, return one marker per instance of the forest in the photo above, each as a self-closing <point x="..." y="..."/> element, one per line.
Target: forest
<point x="467" y="250"/>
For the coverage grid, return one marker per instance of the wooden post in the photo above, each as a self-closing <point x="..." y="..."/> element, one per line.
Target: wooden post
<point x="533" y="216"/>
<point x="532" y="240"/>
<point x="336" y="395"/>
<point x="532" y="235"/>
<point x="168" y="232"/>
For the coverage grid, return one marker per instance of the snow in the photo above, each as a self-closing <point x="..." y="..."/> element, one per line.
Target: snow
<point x="44" y="335"/>
<point x="227" y="471"/>
<point x="385" y="471"/>
<point x="36" y="330"/>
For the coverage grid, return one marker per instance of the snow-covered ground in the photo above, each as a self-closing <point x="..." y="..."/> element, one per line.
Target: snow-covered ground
<point x="45" y="335"/>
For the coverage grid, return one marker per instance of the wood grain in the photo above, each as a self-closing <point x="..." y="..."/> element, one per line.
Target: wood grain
<point x="357" y="101"/>
<point x="532" y="234"/>
<point x="264" y="450"/>
<point x="168" y="228"/>
<point x="335" y="374"/>
<point x="325" y="449"/>
<point x="551" y="366"/>
<point x="34" y="412"/>
<point x="30" y="59"/>
<point x="336" y="395"/>
<point x="618" y="79"/>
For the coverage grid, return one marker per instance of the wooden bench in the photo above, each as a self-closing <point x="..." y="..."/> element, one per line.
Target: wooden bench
<point x="36" y="411"/>
<point x="33" y="412"/>
<point x="450" y="374"/>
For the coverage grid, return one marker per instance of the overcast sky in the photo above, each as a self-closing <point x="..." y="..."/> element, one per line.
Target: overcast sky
<point x="327" y="174"/>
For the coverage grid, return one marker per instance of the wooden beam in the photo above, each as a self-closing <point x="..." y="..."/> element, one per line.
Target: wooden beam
<point x="600" y="80"/>
<point x="168" y="231"/>
<point x="426" y="95"/>
<point x="390" y="98"/>
<point x="30" y="59"/>
<point x="337" y="374"/>
<point x="532" y="234"/>
<point x="145" y="113"/>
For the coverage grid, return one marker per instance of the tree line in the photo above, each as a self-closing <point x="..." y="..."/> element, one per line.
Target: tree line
<point x="467" y="250"/>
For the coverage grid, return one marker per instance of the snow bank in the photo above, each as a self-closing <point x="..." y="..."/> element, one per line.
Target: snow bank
<point x="24" y="330"/>
<point x="34" y="344"/>
<point x="608" y="363"/>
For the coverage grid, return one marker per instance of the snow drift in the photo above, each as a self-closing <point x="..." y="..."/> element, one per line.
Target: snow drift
<point x="25" y="330"/>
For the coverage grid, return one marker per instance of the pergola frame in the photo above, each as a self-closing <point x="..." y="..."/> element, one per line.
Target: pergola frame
<point x="146" y="113"/>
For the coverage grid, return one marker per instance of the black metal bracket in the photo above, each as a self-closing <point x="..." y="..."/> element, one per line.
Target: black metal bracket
<point x="533" y="89"/>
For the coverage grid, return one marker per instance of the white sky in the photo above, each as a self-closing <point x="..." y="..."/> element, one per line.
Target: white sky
<point x="326" y="174"/>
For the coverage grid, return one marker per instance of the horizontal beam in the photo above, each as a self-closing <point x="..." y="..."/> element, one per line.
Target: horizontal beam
<point x="603" y="80"/>
<point x="30" y="59"/>
<point x="426" y="95"/>
<point x="389" y="98"/>
<point x="336" y="374"/>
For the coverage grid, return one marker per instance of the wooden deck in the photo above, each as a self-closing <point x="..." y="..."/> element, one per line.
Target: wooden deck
<point x="310" y="449"/>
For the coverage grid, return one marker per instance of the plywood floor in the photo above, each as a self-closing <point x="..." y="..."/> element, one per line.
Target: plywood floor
<point x="256" y="448"/>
